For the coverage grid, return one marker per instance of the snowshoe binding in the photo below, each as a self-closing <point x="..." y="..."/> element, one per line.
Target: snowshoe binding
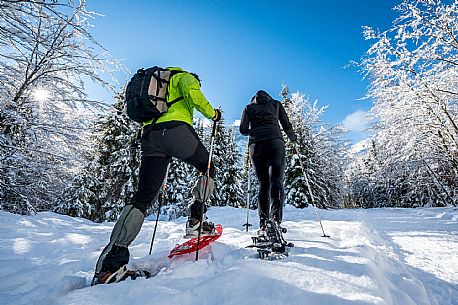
<point x="192" y="228"/>
<point x="270" y="240"/>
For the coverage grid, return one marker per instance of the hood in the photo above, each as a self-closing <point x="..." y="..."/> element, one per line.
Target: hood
<point x="181" y="70"/>
<point x="261" y="97"/>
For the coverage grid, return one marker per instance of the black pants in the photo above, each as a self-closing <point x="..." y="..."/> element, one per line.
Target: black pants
<point x="158" y="147"/>
<point x="268" y="159"/>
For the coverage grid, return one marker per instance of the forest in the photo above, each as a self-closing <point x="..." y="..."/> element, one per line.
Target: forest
<point x="62" y="151"/>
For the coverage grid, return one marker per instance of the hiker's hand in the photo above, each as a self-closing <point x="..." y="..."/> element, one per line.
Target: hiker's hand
<point x="217" y="115"/>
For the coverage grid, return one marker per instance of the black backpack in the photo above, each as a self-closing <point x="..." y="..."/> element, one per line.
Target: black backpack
<point x="146" y="94"/>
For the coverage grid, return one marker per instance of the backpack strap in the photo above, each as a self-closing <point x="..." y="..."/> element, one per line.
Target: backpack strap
<point x="172" y="74"/>
<point x="174" y="101"/>
<point x="160" y="81"/>
<point x="169" y="104"/>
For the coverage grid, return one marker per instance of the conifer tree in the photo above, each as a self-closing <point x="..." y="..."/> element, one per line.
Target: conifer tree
<point x="296" y="190"/>
<point x="119" y="160"/>
<point x="320" y="151"/>
<point x="253" y="186"/>
<point x="231" y="192"/>
<point x="81" y="198"/>
<point x="226" y="160"/>
<point x="219" y="162"/>
<point x="109" y="180"/>
<point x="181" y="177"/>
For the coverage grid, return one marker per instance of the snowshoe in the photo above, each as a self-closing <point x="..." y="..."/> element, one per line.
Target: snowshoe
<point x="190" y="245"/>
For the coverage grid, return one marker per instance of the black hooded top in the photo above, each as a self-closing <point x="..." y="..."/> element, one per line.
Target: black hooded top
<point x="260" y="119"/>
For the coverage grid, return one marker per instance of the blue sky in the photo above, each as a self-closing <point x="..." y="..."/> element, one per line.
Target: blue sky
<point x="238" y="47"/>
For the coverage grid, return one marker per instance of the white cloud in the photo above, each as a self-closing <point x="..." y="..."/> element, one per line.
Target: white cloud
<point x="236" y="123"/>
<point x="356" y="121"/>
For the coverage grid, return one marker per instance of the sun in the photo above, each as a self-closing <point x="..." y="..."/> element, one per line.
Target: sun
<point x="41" y="95"/>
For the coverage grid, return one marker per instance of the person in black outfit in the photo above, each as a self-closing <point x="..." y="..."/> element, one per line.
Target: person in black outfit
<point x="267" y="150"/>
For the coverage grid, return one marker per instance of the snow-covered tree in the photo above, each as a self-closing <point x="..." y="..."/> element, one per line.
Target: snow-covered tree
<point x="361" y="178"/>
<point x="413" y="73"/>
<point x="231" y="192"/>
<point x="321" y="151"/>
<point x="47" y="46"/>
<point x="81" y="198"/>
<point x="181" y="178"/>
<point x="219" y="162"/>
<point x="226" y="160"/>
<point x="118" y="160"/>
<point x="110" y="179"/>
<point x="46" y="56"/>
<point x="253" y="185"/>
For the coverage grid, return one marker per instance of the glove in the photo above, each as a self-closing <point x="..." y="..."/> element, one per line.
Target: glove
<point x="217" y="115"/>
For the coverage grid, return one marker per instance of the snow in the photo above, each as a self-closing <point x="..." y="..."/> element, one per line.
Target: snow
<point x="374" y="256"/>
<point x="360" y="146"/>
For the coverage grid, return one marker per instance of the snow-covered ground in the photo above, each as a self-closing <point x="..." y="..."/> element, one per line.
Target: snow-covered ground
<point x="379" y="256"/>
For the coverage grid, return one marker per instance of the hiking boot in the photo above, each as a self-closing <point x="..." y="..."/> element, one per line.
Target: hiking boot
<point x="122" y="274"/>
<point x="108" y="277"/>
<point x="192" y="228"/>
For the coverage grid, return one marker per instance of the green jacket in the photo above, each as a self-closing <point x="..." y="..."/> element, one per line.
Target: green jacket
<point x="187" y="86"/>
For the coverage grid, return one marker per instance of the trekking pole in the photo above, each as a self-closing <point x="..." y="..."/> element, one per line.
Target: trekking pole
<point x="247" y="224"/>
<point x="160" y="200"/>
<point x="207" y="174"/>
<point x="310" y="191"/>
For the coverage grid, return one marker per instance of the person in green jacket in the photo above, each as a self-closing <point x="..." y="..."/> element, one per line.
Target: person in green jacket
<point x="172" y="135"/>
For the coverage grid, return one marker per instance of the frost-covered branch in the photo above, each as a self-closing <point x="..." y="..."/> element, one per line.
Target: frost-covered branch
<point x="47" y="56"/>
<point x="412" y="68"/>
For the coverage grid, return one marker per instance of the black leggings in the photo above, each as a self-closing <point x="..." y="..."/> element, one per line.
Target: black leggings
<point x="158" y="148"/>
<point x="268" y="159"/>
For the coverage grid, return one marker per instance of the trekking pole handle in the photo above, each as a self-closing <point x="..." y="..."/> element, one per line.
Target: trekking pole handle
<point x="214" y="129"/>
